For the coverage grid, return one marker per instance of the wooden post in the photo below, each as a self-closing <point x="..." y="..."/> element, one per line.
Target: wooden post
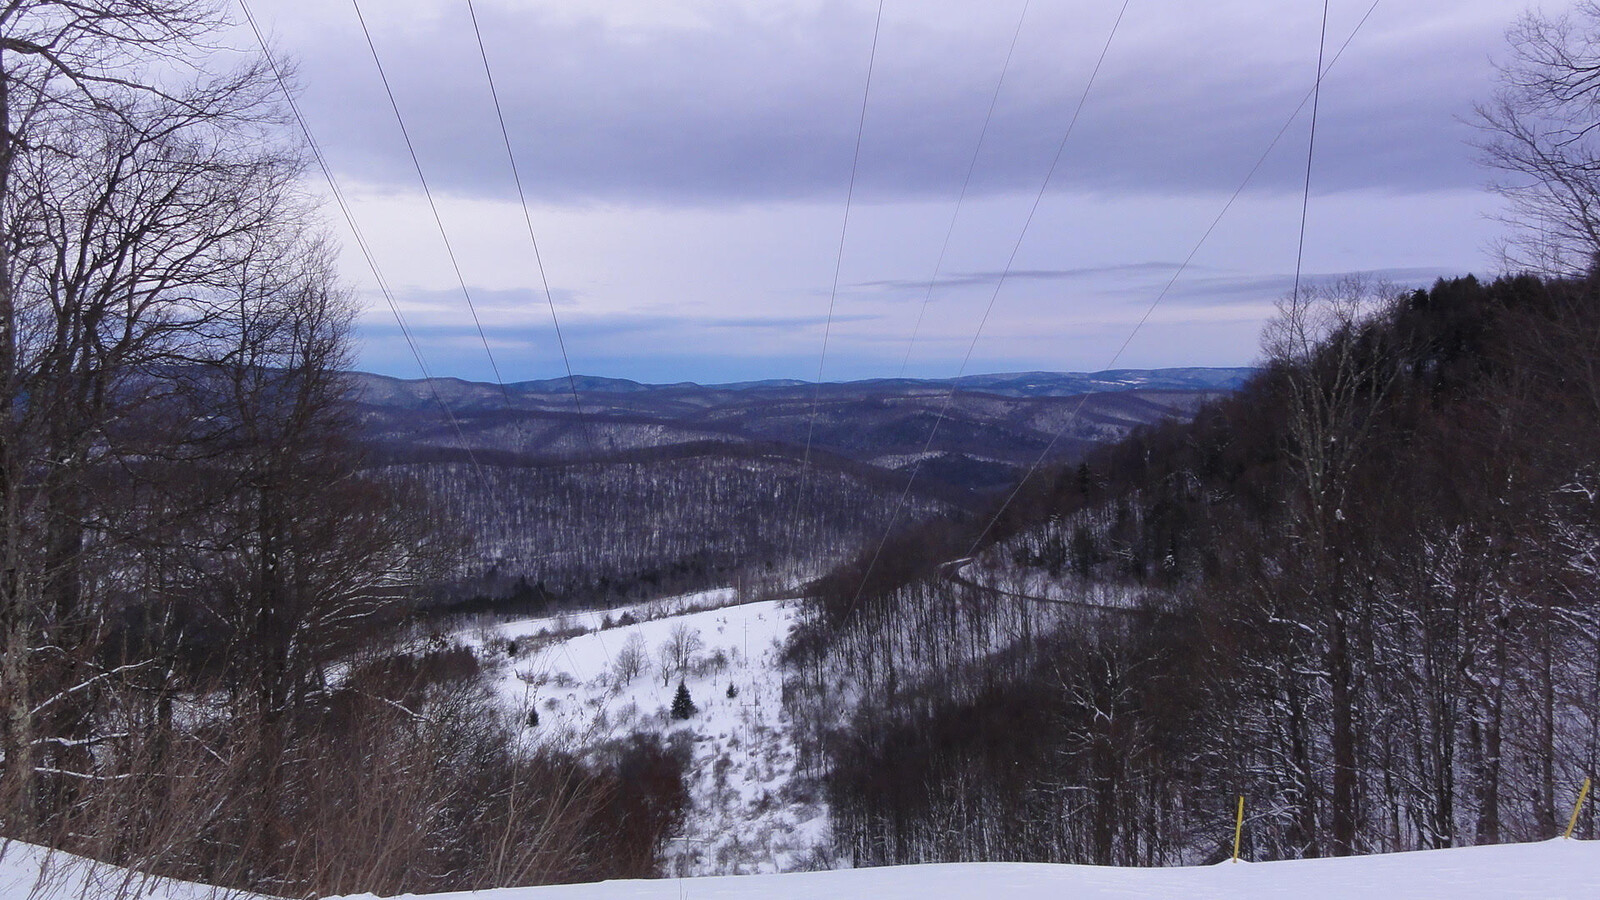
<point x="1582" y="795"/>
<point x="1238" y="827"/>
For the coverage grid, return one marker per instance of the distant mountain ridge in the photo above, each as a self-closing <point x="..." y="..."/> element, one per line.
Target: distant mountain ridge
<point x="1004" y="384"/>
<point x="618" y="483"/>
<point x="975" y="433"/>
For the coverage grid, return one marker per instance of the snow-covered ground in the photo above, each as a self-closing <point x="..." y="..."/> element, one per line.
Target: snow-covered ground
<point x="592" y="619"/>
<point x="749" y="813"/>
<point x="28" y="872"/>
<point x="1554" y="870"/>
<point x="753" y="813"/>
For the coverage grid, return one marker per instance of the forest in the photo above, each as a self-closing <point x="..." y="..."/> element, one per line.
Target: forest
<point x="1360" y="592"/>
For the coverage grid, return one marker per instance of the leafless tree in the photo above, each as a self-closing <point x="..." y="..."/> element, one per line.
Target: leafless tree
<point x="1540" y="132"/>
<point x="1337" y="374"/>
<point x="631" y="659"/>
<point x="681" y="645"/>
<point x="130" y="180"/>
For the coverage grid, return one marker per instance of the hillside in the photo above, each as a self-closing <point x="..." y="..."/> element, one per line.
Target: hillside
<point x="1004" y="420"/>
<point x="619" y="489"/>
<point x="1361" y="591"/>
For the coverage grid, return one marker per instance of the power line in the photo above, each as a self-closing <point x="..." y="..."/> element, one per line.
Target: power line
<point x="355" y="231"/>
<point x="527" y="218"/>
<point x="533" y="239"/>
<point x="1165" y="290"/>
<point x="955" y="384"/>
<point x="833" y="293"/>
<point x="428" y="193"/>
<point x="1311" y="148"/>
<point x="972" y="165"/>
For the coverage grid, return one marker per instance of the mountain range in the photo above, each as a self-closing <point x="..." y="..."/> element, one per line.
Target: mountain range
<point x="588" y="484"/>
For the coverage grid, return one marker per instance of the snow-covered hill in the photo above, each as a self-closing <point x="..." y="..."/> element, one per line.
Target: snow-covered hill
<point x="750" y="811"/>
<point x="1554" y="870"/>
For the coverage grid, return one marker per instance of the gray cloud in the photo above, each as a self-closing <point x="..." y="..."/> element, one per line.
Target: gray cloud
<point x="692" y="156"/>
<point x="974" y="279"/>
<point x="748" y="107"/>
<point x="1208" y="289"/>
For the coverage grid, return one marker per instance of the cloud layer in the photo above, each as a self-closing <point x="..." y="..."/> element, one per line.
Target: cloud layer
<point x="688" y="159"/>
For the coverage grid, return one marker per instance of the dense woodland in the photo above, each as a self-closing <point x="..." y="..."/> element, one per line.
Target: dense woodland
<point x="1361" y="593"/>
<point x="613" y="531"/>
<point x="655" y="489"/>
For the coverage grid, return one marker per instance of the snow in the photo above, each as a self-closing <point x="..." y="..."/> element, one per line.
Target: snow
<point x="749" y="812"/>
<point x="755" y="818"/>
<point x="1551" y="871"/>
<point x="1554" y="869"/>
<point x="592" y="619"/>
<point x="27" y="871"/>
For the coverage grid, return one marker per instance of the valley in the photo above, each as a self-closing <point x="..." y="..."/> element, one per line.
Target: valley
<point x="655" y="488"/>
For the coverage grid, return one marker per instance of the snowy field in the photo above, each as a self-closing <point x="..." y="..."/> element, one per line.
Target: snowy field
<point x="1554" y="870"/>
<point x="593" y="619"/>
<point x="749" y="813"/>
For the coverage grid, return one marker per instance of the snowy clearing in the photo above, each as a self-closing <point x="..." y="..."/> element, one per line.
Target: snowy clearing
<point x="749" y="813"/>
<point x="593" y="619"/>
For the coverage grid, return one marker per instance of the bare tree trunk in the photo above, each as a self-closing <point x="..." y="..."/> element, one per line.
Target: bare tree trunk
<point x="1343" y="739"/>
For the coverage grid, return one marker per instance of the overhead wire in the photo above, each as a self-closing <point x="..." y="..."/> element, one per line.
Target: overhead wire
<point x="1311" y="149"/>
<point x="1016" y="247"/>
<point x="966" y="183"/>
<point x="427" y="192"/>
<point x="355" y="230"/>
<point x="527" y="218"/>
<point x="364" y="246"/>
<point x="533" y="240"/>
<point x="1167" y="288"/>
<point x="444" y="235"/>
<point x="833" y="293"/>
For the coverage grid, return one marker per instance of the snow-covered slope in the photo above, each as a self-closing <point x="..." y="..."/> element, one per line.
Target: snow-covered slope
<point x="749" y="812"/>
<point x="28" y="872"/>
<point x="1554" y="870"/>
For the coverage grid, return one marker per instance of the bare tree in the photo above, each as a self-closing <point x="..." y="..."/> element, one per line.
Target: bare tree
<point x="1540" y="132"/>
<point x="631" y="659"/>
<point x="681" y="645"/>
<point x="127" y="190"/>
<point x="1338" y="372"/>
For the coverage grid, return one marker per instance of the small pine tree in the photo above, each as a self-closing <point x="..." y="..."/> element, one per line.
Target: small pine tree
<point x="682" y="706"/>
<point x="533" y="717"/>
<point x="732" y="691"/>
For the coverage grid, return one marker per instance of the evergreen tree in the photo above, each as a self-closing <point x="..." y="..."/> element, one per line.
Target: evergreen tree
<point x="682" y="706"/>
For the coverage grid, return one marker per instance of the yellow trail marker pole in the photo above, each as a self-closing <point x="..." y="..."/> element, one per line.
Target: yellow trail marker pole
<point x="1582" y="795"/>
<point x="1238" y="825"/>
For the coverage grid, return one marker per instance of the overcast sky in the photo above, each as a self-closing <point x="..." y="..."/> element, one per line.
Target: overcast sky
<point x="687" y="163"/>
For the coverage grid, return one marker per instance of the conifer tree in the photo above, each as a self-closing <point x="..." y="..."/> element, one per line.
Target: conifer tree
<point x="682" y="706"/>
